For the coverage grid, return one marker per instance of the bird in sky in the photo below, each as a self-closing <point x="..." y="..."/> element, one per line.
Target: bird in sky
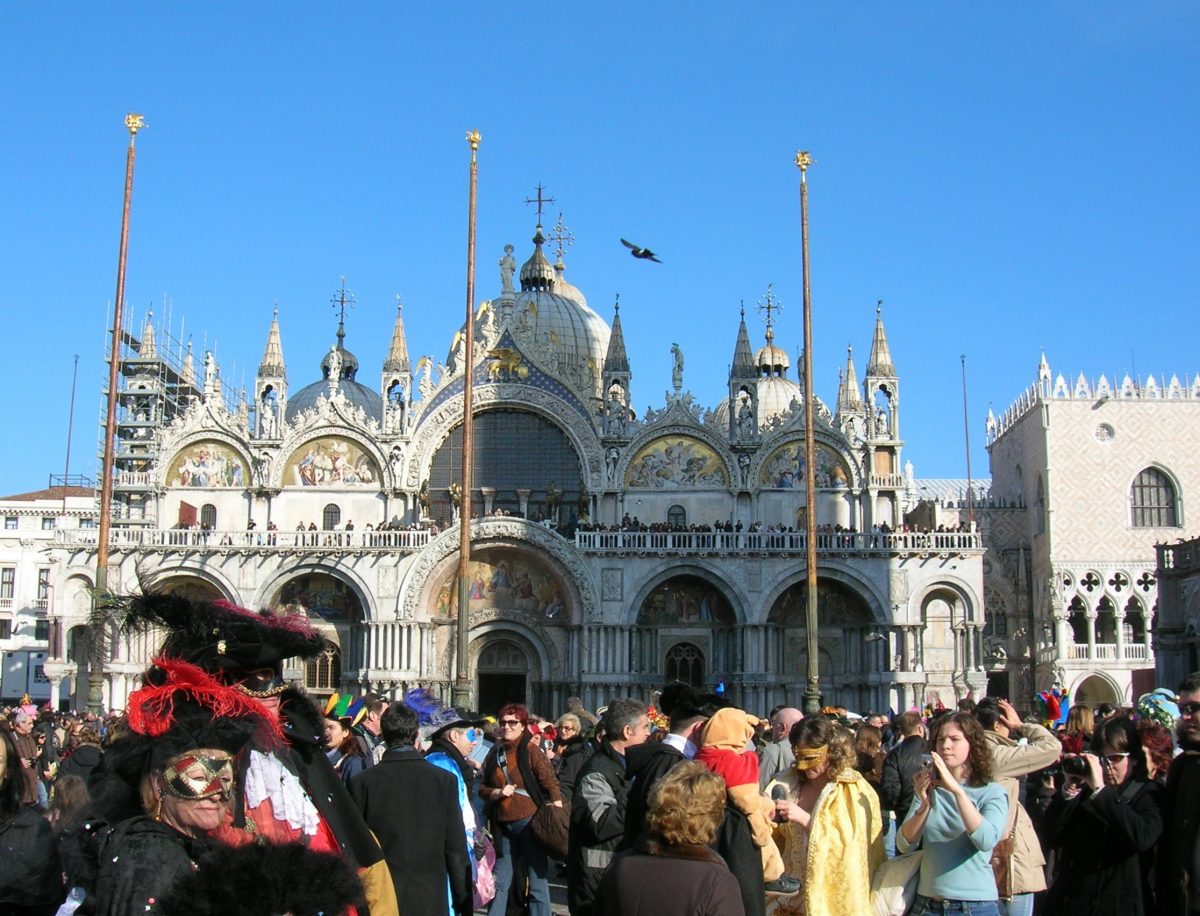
<point x="644" y="253"/>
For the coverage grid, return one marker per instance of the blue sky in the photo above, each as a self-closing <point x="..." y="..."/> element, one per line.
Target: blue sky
<point x="1004" y="176"/>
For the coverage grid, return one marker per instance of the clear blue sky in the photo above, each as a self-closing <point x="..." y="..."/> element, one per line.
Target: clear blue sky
<point x="1004" y="176"/>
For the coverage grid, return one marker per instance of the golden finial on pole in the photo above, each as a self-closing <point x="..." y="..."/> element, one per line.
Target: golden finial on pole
<point x="803" y="159"/>
<point x="134" y="123"/>
<point x="473" y="138"/>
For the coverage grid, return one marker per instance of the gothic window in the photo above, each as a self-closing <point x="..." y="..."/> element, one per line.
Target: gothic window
<point x="1106" y="621"/>
<point x="208" y="516"/>
<point x="1077" y="617"/>
<point x="677" y="517"/>
<point x="685" y="663"/>
<point x="1134" y="627"/>
<point x="325" y="671"/>
<point x="1153" y="498"/>
<point x="331" y="517"/>
<point x="995" y="623"/>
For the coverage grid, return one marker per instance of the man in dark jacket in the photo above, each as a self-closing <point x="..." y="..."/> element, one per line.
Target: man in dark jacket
<point x="412" y="807"/>
<point x="598" y="805"/>
<point x="900" y="766"/>
<point x="1177" y="887"/>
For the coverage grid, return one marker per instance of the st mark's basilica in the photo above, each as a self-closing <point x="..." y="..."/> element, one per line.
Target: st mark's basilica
<point x="610" y="551"/>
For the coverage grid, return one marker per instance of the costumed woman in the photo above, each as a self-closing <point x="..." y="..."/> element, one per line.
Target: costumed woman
<point x="342" y="713"/>
<point x="284" y="794"/>
<point x="831" y="831"/>
<point x="174" y="776"/>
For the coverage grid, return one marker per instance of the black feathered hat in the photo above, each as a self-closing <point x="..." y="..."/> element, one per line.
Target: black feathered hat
<point x="223" y="638"/>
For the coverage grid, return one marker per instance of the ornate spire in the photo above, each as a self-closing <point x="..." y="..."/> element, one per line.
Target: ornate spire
<point x="771" y="359"/>
<point x="536" y="273"/>
<point x="272" y="361"/>
<point x="880" y="362"/>
<point x="616" y="360"/>
<point x="743" y="357"/>
<point x="397" y="358"/>
<point x="342" y="300"/>
<point x="149" y="348"/>
<point x="851" y="397"/>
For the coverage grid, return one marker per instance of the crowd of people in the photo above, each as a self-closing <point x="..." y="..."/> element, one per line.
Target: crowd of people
<point x="224" y="789"/>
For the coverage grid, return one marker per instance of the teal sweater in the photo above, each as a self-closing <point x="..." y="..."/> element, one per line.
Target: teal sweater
<point x="957" y="864"/>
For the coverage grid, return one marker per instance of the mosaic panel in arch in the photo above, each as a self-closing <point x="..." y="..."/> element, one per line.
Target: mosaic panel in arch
<point x="320" y="595"/>
<point x="504" y="579"/>
<point x="208" y="464"/>
<point x="784" y="469"/>
<point x="837" y="605"/>
<point x="685" y="600"/>
<point x="331" y="461"/>
<point x="675" y="463"/>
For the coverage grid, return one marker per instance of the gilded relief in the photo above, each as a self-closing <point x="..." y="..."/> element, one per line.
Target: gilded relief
<point x="330" y="462"/>
<point x="208" y="464"/>
<point x="685" y="600"/>
<point x="784" y="469"/>
<point x="320" y="595"/>
<point x="505" y="580"/>
<point x="675" y="463"/>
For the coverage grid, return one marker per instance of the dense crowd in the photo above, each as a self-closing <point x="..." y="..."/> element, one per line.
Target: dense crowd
<point x="224" y="789"/>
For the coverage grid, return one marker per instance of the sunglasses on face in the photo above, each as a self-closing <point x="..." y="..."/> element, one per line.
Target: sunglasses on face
<point x="510" y="723"/>
<point x="1189" y="709"/>
<point x="1113" y="759"/>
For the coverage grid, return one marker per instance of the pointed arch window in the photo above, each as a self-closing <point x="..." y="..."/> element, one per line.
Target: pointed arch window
<point x="324" y="673"/>
<point x="1153" y="499"/>
<point x="685" y="662"/>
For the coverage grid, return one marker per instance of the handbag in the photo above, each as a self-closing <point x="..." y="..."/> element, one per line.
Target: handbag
<point x="485" y="879"/>
<point x="1002" y="852"/>
<point x="551" y="826"/>
<point x="894" y="884"/>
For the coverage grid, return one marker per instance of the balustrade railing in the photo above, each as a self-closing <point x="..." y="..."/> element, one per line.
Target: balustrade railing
<point x="192" y="539"/>
<point x="774" y="542"/>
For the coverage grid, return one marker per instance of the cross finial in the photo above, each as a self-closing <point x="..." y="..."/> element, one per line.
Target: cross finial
<point x="540" y="200"/>
<point x="770" y="304"/>
<point x="617" y="305"/>
<point x="342" y="299"/>
<point x="742" y="303"/>
<point x="878" y="307"/>
<point x="561" y="236"/>
<point x="399" y="303"/>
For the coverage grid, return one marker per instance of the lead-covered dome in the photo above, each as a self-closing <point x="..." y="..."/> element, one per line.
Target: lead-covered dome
<point x="340" y="362"/>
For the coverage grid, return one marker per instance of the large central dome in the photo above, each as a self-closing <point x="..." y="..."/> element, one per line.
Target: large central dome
<point x="342" y="365"/>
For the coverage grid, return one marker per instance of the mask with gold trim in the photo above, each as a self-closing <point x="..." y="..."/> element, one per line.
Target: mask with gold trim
<point x="809" y="758"/>
<point x="193" y="776"/>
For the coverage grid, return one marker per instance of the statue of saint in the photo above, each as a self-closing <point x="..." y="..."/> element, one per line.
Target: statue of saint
<point x="677" y="369"/>
<point x="508" y="267"/>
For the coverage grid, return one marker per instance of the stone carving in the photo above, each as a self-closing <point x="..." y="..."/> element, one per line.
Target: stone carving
<point x="677" y="368"/>
<point x="612" y="585"/>
<point x="508" y="267"/>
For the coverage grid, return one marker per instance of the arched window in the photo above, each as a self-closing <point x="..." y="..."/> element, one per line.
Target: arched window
<point x="208" y="516"/>
<point x="995" y="623"/>
<point x="331" y="517"/>
<point x="677" y="517"/>
<point x="325" y="671"/>
<point x="685" y="663"/>
<point x="1153" y="499"/>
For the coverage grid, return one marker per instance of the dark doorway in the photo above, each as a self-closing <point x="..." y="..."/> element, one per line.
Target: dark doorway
<point x="998" y="685"/>
<point x="497" y="689"/>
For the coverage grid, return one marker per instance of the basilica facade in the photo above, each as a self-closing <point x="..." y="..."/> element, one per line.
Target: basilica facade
<point x="610" y="552"/>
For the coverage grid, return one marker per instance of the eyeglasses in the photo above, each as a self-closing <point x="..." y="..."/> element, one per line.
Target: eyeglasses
<point x="1113" y="759"/>
<point x="510" y="723"/>
<point x="1189" y="709"/>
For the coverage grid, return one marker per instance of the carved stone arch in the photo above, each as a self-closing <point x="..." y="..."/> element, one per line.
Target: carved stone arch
<point x="972" y="604"/>
<point x="433" y="429"/>
<point x="647" y="436"/>
<point x="346" y="574"/>
<point x="851" y="578"/>
<point x="529" y="638"/>
<point x="172" y="450"/>
<point x="499" y="531"/>
<point x="787" y="436"/>
<point x="1172" y="480"/>
<point x="297" y="438"/>
<point x="737" y="598"/>
<point x="1118" y="695"/>
<point x="157" y="578"/>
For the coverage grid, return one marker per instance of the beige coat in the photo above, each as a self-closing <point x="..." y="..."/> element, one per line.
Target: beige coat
<point x="1011" y="760"/>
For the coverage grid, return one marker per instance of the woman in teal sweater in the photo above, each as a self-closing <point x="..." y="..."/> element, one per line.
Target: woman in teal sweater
<point x="958" y="814"/>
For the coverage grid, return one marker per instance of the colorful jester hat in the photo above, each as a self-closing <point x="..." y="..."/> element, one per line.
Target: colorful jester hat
<point x="433" y="716"/>
<point x="348" y="710"/>
<point x="1160" y="706"/>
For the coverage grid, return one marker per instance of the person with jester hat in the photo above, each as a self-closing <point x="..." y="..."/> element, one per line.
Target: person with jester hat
<point x="283" y="794"/>
<point x="342" y="713"/>
<point x="164" y="791"/>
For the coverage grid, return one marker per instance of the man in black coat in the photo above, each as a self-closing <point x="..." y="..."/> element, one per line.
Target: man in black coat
<point x="901" y="765"/>
<point x="412" y="807"/>
<point x="1177" y="887"/>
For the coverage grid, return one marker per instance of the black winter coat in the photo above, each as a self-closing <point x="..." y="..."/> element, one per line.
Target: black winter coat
<point x="654" y="879"/>
<point x="81" y="761"/>
<point x="30" y="874"/>
<point x="899" y="767"/>
<point x="597" y="826"/>
<point x="412" y="807"/>
<point x="1173" y="883"/>
<point x="572" y="755"/>
<point x="736" y="847"/>
<point x="1101" y="836"/>
<point x="648" y="763"/>
<point x="141" y="859"/>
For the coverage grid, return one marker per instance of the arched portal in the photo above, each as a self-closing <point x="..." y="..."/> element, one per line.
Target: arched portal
<point x="1094" y="690"/>
<point x="686" y="631"/>
<point x="502" y="674"/>
<point x="334" y="608"/>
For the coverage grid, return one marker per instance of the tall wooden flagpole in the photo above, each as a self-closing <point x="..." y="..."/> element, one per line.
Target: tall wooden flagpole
<point x="812" y="695"/>
<point x="462" y="680"/>
<point x="133" y="123"/>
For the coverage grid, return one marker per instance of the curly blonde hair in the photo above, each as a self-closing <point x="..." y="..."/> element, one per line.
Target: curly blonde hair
<point x="687" y="805"/>
<point x="818" y="731"/>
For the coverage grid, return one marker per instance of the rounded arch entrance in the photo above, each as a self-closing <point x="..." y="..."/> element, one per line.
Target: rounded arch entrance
<point x="1095" y="689"/>
<point x="848" y="638"/>
<point x="508" y="666"/>
<point x="335" y="607"/>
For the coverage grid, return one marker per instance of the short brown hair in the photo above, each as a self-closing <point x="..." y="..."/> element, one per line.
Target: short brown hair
<point x="979" y="761"/>
<point x="819" y="731"/>
<point x="908" y="723"/>
<point x="687" y="805"/>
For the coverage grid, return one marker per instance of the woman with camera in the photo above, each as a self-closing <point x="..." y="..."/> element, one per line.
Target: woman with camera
<point x="1104" y="817"/>
<point x="958" y="814"/>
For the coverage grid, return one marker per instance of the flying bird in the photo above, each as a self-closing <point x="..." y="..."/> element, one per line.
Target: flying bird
<point x="644" y="253"/>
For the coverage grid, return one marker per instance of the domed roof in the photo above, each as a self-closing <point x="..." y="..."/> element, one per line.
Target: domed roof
<point x="358" y="395"/>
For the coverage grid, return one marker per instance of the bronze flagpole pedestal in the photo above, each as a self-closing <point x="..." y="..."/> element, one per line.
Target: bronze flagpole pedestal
<point x="462" y="679"/>
<point x="97" y="619"/>
<point x="812" y="693"/>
